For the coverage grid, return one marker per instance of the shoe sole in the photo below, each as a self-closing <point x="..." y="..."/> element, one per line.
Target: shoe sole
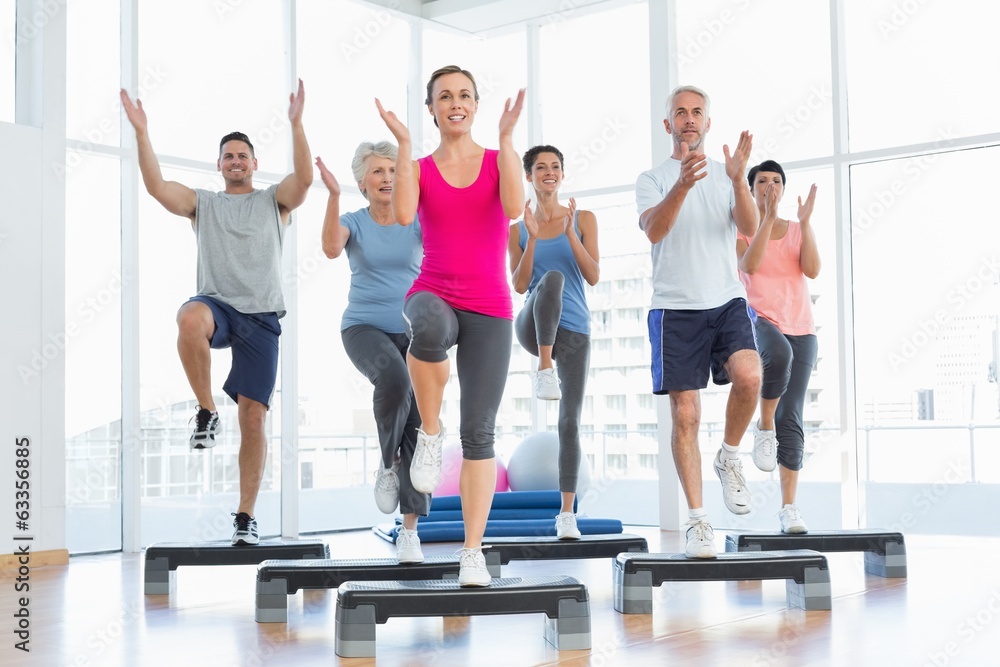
<point x="795" y="531"/>
<point x="202" y="443"/>
<point x="702" y="554"/>
<point x="764" y="468"/>
<point x="739" y="511"/>
<point x="245" y="542"/>
<point x="475" y="584"/>
<point x="411" y="561"/>
<point x="568" y="537"/>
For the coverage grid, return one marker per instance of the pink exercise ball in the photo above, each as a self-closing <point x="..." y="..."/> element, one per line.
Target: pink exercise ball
<point x="451" y="469"/>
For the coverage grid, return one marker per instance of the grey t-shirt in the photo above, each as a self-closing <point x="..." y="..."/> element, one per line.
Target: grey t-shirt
<point x="239" y="249"/>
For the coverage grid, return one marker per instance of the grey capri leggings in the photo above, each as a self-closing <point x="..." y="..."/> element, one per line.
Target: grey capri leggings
<point x="788" y="362"/>
<point x="482" y="360"/>
<point x="381" y="357"/>
<point x="538" y="324"/>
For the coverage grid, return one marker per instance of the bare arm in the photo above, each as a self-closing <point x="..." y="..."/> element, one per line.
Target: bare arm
<point x="751" y="259"/>
<point x="508" y="161"/>
<point x="522" y="262"/>
<point x="406" y="185"/>
<point x="745" y="213"/>
<point x="334" y="234"/>
<point x="294" y="187"/>
<point x="584" y="249"/>
<point x="173" y="196"/>
<point x="808" y="252"/>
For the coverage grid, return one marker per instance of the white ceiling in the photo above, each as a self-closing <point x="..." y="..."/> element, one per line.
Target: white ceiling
<point x="490" y="16"/>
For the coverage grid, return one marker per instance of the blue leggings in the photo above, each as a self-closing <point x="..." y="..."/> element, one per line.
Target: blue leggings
<point x="482" y="360"/>
<point x="788" y="362"/>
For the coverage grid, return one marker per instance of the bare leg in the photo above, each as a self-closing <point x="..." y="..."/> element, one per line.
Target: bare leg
<point x="476" y="484"/>
<point x="567" y="501"/>
<point x="768" y="406"/>
<point x="743" y="368"/>
<point x="429" y="379"/>
<point x="789" y="484"/>
<point x="544" y="357"/>
<point x="410" y="521"/>
<point x="685" y="410"/>
<point x="195" y="328"/>
<point x="253" y="451"/>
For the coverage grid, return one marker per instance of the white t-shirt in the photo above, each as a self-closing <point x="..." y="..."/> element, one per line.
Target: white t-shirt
<point x="694" y="266"/>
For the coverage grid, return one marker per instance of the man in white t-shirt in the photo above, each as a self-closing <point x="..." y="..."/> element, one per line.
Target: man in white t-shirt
<point x="690" y="208"/>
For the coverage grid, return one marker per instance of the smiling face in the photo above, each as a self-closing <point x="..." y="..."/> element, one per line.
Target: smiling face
<point x="688" y="121"/>
<point x="237" y="163"/>
<point x="546" y="173"/>
<point x="453" y="102"/>
<point x="376" y="185"/>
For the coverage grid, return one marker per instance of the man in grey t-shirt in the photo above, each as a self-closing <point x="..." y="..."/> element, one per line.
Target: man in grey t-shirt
<point x="690" y="208"/>
<point x="239" y="233"/>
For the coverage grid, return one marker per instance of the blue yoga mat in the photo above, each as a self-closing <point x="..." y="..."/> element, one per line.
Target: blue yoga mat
<point x="495" y="514"/>
<point x="454" y="531"/>
<point x="505" y="500"/>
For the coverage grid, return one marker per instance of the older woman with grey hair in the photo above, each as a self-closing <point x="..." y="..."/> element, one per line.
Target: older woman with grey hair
<point x="384" y="257"/>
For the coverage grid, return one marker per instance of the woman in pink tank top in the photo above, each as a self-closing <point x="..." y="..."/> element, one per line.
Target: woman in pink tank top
<point x="466" y="196"/>
<point x="774" y="265"/>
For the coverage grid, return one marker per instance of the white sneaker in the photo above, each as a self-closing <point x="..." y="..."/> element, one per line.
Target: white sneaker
<point x="408" y="546"/>
<point x="734" y="488"/>
<point x="765" y="448"/>
<point x="546" y="385"/>
<point x="791" y="520"/>
<point x="472" y="569"/>
<point x="700" y="539"/>
<point x="425" y="469"/>
<point x="566" y="526"/>
<point x="387" y="488"/>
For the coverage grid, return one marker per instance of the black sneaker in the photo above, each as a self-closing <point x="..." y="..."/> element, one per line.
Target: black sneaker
<point x="206" y="425"/>
<point x="246" y="530"/>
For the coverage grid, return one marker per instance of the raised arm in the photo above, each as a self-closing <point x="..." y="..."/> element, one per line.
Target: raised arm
<point x="522" y="262"/>
<point x="334" y="235"/>
<point x="406" y="184"/>
<point x="584" y="245"/>
<point x="294" y="187"/>
<point x="808" y="252"/>
<point x="750" y="257"/>
<point x="508" y="161"/>
<point x="173" y="196"/>
<point x="657" y="221"/>
<point x="745" y="213"/>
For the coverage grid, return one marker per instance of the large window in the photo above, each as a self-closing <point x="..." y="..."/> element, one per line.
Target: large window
<point x="10" y="34"/>
<point x="93" y="73"/>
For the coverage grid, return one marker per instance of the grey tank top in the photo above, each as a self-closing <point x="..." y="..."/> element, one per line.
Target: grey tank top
<point x="239" y="249"/>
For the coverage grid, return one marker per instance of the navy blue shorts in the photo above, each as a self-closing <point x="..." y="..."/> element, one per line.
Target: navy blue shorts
<point x="688" y="343"/>
<point x="254" y="340"/>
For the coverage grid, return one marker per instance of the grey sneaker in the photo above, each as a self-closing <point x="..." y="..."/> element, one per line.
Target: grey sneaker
<point x="700" y="539"/>
<point x="408" y="546"/>
<point x="206" y="425"/>
<point x="245" y="533"/>
<point x="472" y="569"/>
<point x="791" y="520"/>
<point x="425" y="469"/>
<point x="387" y="488"/>
<point x="546" y="385"/>
<point x="566" y="526"/>
<point x="765" y="448"/>
<point x="734" y="488"/>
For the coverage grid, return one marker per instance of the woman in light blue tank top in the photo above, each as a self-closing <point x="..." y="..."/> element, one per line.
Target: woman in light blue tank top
<point x="553" y="250"/>
<point x="384" y="258"/>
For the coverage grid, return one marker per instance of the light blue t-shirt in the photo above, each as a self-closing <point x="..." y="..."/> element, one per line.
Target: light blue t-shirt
<point x="384" y="262"/>
<point x="555" y="254"/>
<point x="694" y="266"/>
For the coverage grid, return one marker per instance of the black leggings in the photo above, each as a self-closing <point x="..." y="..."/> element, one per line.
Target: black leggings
<point x="482" y="361"/>
<point x="788" y="362"/>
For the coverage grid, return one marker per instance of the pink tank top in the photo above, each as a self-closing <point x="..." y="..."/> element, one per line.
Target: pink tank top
<point x="778" y="290"/>
<point x="465" y="241"/>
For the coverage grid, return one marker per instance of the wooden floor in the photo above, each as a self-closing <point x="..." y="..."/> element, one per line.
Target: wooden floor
<point x="93" y="612"/>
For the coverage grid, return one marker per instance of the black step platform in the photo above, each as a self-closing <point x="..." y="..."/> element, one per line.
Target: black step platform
<point x="807" y="572"/>
<point x="163" y="559"/>
<point x="362" y="604"/>
<point x="502" y="550"/>
<point x="277" y="579"/>
<point x="885" y="552"/>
